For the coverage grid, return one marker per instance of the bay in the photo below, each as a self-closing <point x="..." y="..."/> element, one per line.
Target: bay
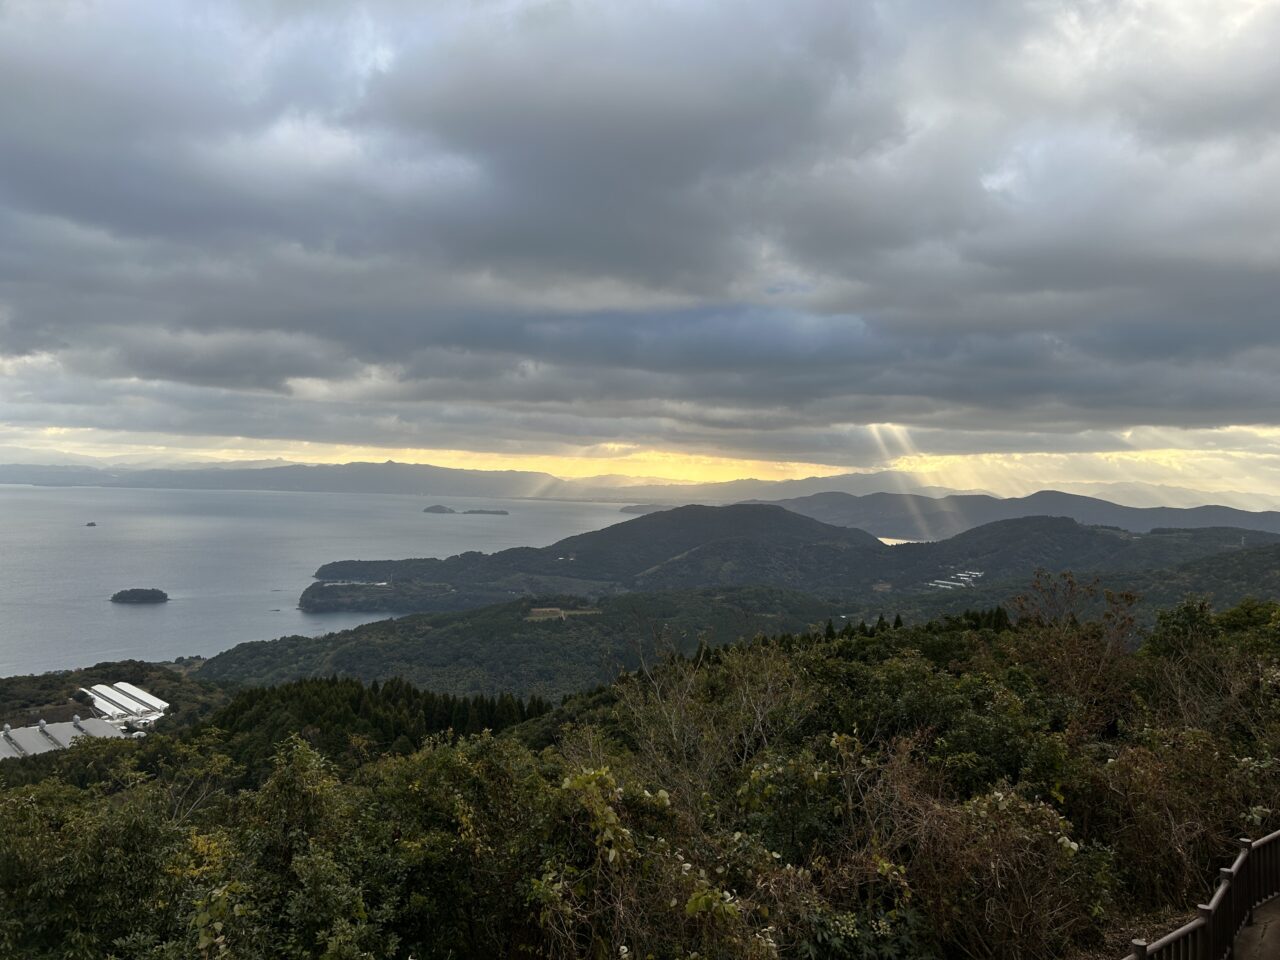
<point x="232" y="562"/>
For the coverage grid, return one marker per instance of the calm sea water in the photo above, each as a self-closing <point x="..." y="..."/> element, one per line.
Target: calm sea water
<point x="232" y="562"/>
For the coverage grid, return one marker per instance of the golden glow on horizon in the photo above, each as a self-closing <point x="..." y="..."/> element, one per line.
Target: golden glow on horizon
<point x="1224" y="460"/>
<point x="631" y="462"/>
<point x="622" y="459"/>
<point x="1016" y="474"/>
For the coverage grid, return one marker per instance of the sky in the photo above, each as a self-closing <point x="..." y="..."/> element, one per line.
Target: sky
<point x="994" y="243"/>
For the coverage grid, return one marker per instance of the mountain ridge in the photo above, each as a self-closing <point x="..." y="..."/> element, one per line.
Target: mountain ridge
<point x="420" y="479"/>
<point x="743" y="545"/>
<point x="915" y="517"/>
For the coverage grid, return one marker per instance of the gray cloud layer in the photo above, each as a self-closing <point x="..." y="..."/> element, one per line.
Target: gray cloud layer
<point x="743" y="229"/>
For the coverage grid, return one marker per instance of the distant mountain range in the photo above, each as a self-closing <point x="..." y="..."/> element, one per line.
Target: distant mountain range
<point x="732" y="491"/>
<point x="914" y="517"/>
<point x="365" y="478"/>
<point x="426" y="480"/>
<point x="754" y="545"/>
<point x="1134" y="494"/>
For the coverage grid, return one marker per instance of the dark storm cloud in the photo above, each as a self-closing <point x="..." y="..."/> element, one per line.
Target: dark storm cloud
<point x="744" y="229"/>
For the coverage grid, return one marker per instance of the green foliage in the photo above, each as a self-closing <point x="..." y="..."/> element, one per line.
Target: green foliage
<point x="500" y="648"/>
<point x="971" y="787"/>
<point x="351" y="722"/>
<point x="1183" y="629"/>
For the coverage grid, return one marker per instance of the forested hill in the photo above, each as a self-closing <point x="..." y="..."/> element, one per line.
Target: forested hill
<point x="571" y="643"/>
<point x="550" y="648"/>
<point x="1018" y="547"/>
<point x="752" y="545"/>
<point x="1225" y="579"/>
<point x="601" y="562"/>
<point x="626" y="550"/>
<point x="972" y="787"/>
<point x="913" y="517"/>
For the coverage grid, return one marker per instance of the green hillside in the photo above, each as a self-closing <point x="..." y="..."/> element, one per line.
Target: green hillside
<point x="594" y="564"/>
<point x="754" y="545"/>
<point x="744" y="585"/>
<point x="1224" y="578"/>
<point x="505" y="648"/>
<point x="971" y="787"/>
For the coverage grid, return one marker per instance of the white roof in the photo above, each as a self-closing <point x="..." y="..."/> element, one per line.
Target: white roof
<point x="29" y="741"/>
<point x="96" y="727"/>
<point x="32" y="741"/>
<point x="104" y="706"/>
<point x="89" y="727"/>
<point x="155" y="703"/>
<point x="121" y="700"/>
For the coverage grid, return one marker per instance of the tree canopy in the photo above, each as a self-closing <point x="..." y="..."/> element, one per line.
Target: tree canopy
<point x="982" y="785"/>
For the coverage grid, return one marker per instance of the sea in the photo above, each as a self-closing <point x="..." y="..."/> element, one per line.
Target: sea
<point x="233" y="562"/>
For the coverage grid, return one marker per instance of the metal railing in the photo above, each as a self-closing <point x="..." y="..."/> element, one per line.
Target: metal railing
<point x="1252" y="880"/>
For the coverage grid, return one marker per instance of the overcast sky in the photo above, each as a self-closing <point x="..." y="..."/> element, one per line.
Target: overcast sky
<point x="986" y="237"/>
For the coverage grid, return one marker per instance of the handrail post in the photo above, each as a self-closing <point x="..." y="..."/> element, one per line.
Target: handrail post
<point x="1247" y="867"/>
<point x="1230" y="899"/>
<point x="1139" y="949"/>
<point x="1206" y="942"/>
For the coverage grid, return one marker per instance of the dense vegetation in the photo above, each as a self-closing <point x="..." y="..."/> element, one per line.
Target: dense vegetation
<point x="348" y="721"/>
<point x="502" y="648"/>
<point x="756" y="545"/>
<point x="1227" y="579"/>
<point x="984" y="785"/>
<point x="498" y="648"/>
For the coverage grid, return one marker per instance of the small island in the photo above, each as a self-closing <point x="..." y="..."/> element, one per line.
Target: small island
<point x="440" y="508"/>
<point x="140" y="595"/>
